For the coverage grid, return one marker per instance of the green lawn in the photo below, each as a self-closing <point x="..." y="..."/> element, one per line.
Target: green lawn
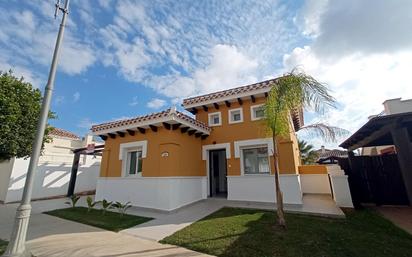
<point x="3" y="246"/>
<point x="110" y="221"/>
<point x="253" y="233"/>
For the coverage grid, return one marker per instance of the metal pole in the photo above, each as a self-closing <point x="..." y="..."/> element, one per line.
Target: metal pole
<point x="16" y="245"/>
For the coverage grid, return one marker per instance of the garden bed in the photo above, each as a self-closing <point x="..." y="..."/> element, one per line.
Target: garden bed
<point x="110" y="220"/>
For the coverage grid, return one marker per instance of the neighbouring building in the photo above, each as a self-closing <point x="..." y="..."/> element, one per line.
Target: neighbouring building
<point x="330" y="156"/>
<point x="53" y="172"/>
<point x="170" y="159"/>
<point x="390" y="106"/>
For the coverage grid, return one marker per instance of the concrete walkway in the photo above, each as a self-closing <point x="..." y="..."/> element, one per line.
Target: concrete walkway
<point x="166" y="224"/>
<point x="399" y="215"/>
<point x="51" y="236"/>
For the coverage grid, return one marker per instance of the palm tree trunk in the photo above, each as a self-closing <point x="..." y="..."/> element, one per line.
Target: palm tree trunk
<point x="279" y="195"/>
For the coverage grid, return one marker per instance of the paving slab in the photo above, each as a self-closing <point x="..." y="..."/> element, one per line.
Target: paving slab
<point x="52" y="236"/>
<point x="399" y="215"/>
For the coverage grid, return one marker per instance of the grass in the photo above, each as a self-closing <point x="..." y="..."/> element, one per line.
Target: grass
<point x="109" y="221"/>
<point x="253" y="233"/>
<point x="3" y="246"/>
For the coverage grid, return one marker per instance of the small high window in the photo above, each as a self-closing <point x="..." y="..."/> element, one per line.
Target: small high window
<point x="257" y="112"/>
<point x="236" y="115"/>
<point x="215" y="119"/>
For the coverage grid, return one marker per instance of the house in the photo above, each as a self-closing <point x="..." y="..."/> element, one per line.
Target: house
<point x="328" y="156"/>
<point x="390" y="106"/>
<point x="169" y="159"/>
<point x="53" y="172"/>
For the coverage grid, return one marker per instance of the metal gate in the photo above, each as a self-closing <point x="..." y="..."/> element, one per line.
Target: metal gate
<point x="375" y="179"/>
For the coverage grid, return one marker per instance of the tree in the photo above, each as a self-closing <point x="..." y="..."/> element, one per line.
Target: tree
<point x="294" y="91"/>
<point x="307" y="153"/>
<point x="20" y="105"/>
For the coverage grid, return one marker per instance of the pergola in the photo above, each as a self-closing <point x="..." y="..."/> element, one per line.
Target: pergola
<point x="75" y="166"/>
<point x="395" y="129"/>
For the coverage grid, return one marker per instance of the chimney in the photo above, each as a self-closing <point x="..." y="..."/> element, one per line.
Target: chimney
<point x="322" y="149"/>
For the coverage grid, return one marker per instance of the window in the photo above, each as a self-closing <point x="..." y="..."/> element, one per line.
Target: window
<point x="257" y="112"/>
<point x="256" y="160"/>
<point x="236" y="115"/>
<point x="215" y="119"/>
<point x="134" y="163"/>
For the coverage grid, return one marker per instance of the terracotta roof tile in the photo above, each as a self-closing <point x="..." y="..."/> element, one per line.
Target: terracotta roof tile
<point x="229" y="92"/>
<point x="149" y="117"/>
<point x="63" y="133"/>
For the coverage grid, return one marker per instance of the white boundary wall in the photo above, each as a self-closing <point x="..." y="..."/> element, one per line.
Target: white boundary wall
<point x="162" y="193"/>
<point x="51" y="179"/>
<point x="315" y="183"/>
<point x="261" y="188"/>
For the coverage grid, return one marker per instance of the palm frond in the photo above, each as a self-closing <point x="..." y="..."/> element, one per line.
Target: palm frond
<point x="326" y="132"/>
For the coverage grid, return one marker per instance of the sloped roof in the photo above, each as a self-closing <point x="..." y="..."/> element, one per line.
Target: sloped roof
<point x="58" y="132"/>
<point x="260" y="87"/>
<point x="170" y="114"/>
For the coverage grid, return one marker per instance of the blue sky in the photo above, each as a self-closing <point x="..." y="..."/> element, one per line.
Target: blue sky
<point x="126" y="58"/>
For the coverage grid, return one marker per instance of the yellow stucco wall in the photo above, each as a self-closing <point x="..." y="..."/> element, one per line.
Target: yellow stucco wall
<point x="185" y="151"/>
<point x="184" y="157"/>
<point x="289" y="158"/>
<point x="313" y="169"/>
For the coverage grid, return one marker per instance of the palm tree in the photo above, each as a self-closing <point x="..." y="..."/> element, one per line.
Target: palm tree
<point x="307" y="153"/>
<point x="295" y="91"/>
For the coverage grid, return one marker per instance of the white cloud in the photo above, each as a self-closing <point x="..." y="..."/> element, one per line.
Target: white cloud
<point x="76" y="97"/>
<point x="156" y="103"/>
<point x="85" y="123"/>
<point x="228" y="68"/>
<point x="28" y="40"/>
<point x="134" y="101"/>
<point x="360" y="71"/>
<point x="59" y="100"/>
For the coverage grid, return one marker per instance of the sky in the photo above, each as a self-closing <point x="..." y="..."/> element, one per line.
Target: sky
<point x="122" y="59"/>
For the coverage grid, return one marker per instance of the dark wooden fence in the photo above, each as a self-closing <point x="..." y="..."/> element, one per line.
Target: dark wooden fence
<point x="375" y="179"/>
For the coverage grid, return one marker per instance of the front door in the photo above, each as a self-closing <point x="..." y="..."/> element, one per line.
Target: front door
<point x="217" y="173"/>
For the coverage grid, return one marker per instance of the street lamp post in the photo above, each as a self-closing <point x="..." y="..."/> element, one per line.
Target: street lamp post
<point x="16" y="245"/>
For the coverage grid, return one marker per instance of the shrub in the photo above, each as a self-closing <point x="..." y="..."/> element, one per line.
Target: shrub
<point x="73" y="200"/>
<point x="122" y="208"/>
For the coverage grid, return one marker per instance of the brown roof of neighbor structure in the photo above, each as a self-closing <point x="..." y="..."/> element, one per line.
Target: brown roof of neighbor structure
<point x="230" y="92"/>
<point x="147" y="119"/>
<point x="63" y="133"/>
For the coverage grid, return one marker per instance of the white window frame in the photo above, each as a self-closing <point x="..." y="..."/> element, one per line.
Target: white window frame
<point x="252" y="112"/>
<point x="230" y="115"/>
<point x="209" y="115"/>
<point x="124" y="150"/>
<point x="126" y="163"/>
<point x="242" y="165"/>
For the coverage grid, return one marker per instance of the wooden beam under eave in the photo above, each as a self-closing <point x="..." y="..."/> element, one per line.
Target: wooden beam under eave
<point x="103" y="137"/>
<point x="112" y="135"/>
<point x="227" y="103"/>
<point x="205" y="108"/>
<point x="204" y="137"/>
<point x="198" y="134"/>
<point x="253" y="98"/>
<point x="375" y="135"/>
<point x="121" y="134"/>
<point x="176" y="126"/>
<point x="153" y="128"/>
<point x="141" y="130"/>
<point x="166" y="125"/>
<point x="184" y="130"/>
<point x="240" y="101"/>
<point x="191" y="132"/>
<point x="216" y="106"/>
<point x="131" y="132"/>
<point x="193" y="111"/>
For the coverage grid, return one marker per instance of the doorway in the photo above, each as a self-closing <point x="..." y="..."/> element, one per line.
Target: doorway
<point x="217" y="173"/>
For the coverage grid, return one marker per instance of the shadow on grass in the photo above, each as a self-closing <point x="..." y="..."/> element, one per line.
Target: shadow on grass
<point x="233" y="232"/>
